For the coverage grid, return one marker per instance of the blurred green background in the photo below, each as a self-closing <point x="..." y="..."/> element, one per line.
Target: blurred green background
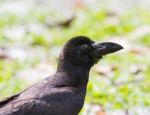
<point x="32" y="33"/>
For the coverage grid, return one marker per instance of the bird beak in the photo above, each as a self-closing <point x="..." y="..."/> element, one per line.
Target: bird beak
<point x="104" y="48"/>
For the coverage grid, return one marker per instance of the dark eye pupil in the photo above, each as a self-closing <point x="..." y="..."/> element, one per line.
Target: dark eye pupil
<point x="85" y="48"/>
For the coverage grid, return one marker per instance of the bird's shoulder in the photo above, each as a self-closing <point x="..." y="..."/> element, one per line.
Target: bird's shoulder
<point x="25" y="107"/>
<point x="54" y="91"/>
<point x="8" y="99"/>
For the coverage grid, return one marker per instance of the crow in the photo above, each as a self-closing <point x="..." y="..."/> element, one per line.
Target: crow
<point x="64" y="92"/>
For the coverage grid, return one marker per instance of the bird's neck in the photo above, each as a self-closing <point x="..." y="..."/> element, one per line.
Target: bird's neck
<point x="77" y="75"/>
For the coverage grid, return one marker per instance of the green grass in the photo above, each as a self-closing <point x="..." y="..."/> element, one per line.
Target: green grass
<point x="102" y="90"/>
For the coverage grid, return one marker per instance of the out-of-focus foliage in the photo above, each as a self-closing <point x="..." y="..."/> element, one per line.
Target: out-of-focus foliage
<point x="124" y="81"/>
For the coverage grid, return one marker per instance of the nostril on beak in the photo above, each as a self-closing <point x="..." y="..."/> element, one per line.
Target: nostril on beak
<point x="101" y="47"/>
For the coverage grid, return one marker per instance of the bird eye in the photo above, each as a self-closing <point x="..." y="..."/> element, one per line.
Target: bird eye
<point x="85" y="48"/>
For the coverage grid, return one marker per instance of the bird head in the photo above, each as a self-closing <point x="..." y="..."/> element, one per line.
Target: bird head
<point x="82" y="50"/>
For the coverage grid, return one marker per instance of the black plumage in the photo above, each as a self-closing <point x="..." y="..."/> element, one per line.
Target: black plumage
<point x="64" y="92"/>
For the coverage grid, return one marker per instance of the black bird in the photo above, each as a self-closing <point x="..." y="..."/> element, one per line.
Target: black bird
<point x="64" y="92"/>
